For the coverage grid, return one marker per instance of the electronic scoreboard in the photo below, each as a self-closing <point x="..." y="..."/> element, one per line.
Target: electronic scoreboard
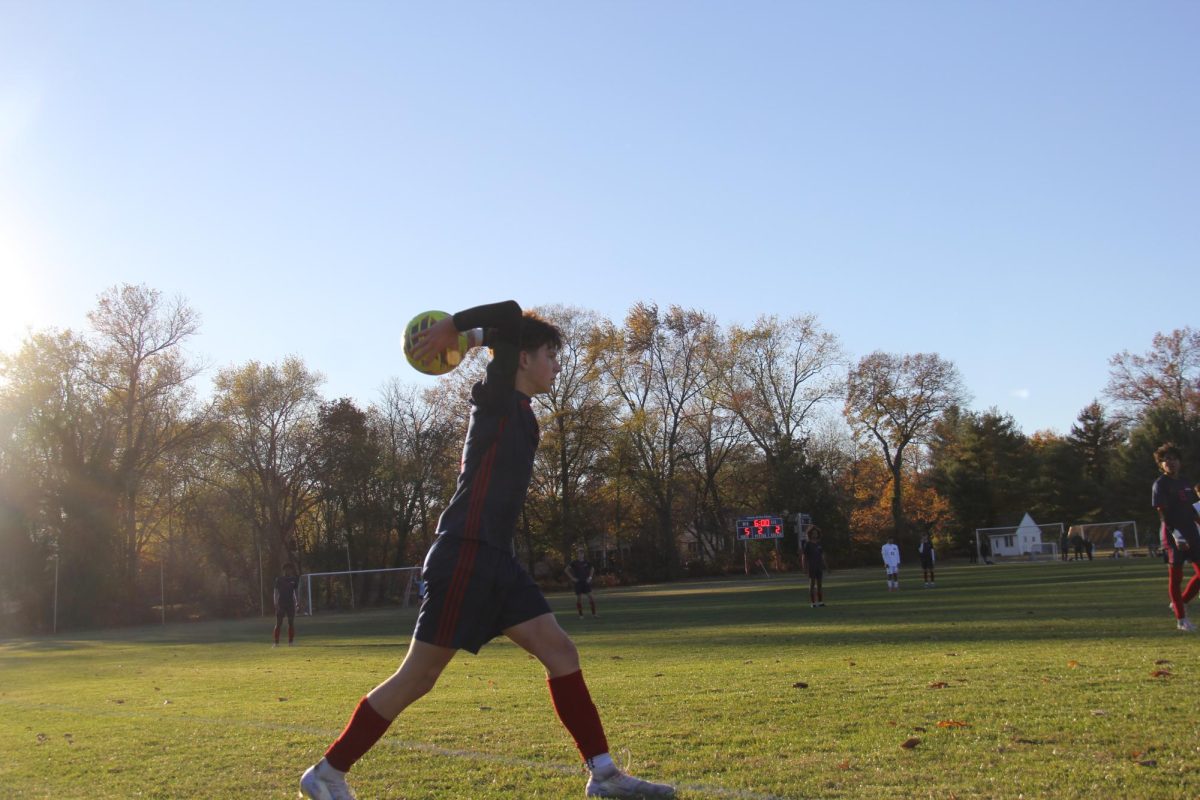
<point x="762" y="527"/>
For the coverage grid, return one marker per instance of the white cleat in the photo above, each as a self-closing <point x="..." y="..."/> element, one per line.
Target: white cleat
<point x="323" y="782"/>
<point x="619" y="784"/>
<point x="1185" y="624"/>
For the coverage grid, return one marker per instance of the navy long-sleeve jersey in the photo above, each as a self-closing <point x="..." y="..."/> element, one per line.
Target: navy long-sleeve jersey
<point x="502" y="437"/>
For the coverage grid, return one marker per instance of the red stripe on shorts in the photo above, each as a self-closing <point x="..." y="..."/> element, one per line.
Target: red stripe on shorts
<point x="458" y="590"/>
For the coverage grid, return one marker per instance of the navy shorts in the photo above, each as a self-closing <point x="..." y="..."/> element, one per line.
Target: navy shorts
<point x="473" y="592"/>
<point x="816" y="574"/>
<point x="1173" y="555"/>
<point x="583" y="587"/>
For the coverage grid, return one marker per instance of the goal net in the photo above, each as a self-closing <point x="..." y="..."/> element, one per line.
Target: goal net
<point x="1109" y="538"/>
<point x="359" y="588"/>
<point x="1028" y="541"/>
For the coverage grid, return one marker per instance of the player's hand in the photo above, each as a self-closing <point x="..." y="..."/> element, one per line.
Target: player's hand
<point x="437" y="338"/>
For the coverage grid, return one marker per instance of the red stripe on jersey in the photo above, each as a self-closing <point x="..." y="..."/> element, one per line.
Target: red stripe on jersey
<point x="479" y="487"/>
<point x="458" y="590"/>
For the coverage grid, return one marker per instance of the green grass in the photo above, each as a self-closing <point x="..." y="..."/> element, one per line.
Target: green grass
<point x="1048" y="665"/>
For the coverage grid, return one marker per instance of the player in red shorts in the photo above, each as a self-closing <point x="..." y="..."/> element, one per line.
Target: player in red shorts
<point x="475" y="587"/>
<point x="1172" y="495"/>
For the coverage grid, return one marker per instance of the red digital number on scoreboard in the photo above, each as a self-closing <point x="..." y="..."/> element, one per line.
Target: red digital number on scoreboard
<point x="749" y="528"/>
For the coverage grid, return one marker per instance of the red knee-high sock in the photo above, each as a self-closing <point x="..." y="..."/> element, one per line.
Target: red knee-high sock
<point x="276" y="633"/>
<point x="1174" y="576"/>
<point x="574" y="706"/>
<point x="363" y="730"/>
<point x="1193" y="586"/>
<point x="291" y="633"/>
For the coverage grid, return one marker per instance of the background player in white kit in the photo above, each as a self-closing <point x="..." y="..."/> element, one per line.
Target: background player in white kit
<point x="891" y="562"/>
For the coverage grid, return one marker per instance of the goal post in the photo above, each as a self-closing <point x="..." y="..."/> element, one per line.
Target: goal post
<point x="1029" y="542"/>
<point x="395" y="585"/>
<point x="1104" y="535"/>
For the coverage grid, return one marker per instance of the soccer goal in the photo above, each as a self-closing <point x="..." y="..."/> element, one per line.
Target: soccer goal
<point x="356" y="588"/>
<point x="1028" y="541"/>
<point x="1109" y="537"/>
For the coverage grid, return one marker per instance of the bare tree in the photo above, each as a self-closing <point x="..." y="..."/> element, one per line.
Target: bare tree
<point x="780" y="373"/>
<point x="1166" y="376"/>
<point x="575" y="422"/>
<point x="896" y="399"/>
<point x="141" y="366"/>
<point x="268" y="419"/>
<point x="657" y="366"/>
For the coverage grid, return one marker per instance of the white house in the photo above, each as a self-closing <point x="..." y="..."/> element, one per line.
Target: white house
<point x="1024" y="539"/>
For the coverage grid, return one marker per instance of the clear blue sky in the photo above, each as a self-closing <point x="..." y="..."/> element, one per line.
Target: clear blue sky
<point x="1012" y="185"/>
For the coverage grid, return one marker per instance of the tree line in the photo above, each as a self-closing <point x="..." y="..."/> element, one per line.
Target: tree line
<point x="124" y="486"/>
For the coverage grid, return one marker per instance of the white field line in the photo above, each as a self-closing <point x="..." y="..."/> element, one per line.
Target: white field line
<point x="392" y="741"/>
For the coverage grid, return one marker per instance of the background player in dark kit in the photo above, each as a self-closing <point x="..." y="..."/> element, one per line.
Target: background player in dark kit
<point x="475" y="587"/>
<point x="581" y="573"/>
<point x="812" y="559"/>
<point x="285" y="600"/>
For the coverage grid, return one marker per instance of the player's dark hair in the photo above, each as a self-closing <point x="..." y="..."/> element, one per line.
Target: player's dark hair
<point x="536" y="332"/>
<point x="1165" y="450"/>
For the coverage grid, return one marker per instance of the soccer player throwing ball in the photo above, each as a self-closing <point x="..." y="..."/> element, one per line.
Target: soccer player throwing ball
<point x="1173" y="496"/>
<point x="475" y="587"/>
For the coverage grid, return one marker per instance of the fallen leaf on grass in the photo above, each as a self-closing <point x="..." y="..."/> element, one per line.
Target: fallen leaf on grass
<point x="799" y="685"/>
<point x="41" y="738"/>
<point x="919" y="728"/>
<point x="659" y="674"/>
<point x="1161" y="673"/>
<point x="952" y="723"/>
<point x="910" y="743"/>
<point x="119" y="702"/>
<point x="844" y="764"/>
<point x="1099" y="712"/>
<point x="615" y="658"/>
<point x="1073" y="664"/>
<point x="1162" y="661"/>
<point x="485" y="708"/>
<point x="1149" y="762"/>
<point x="938" y="685"/>
<point x="283" y="699"/>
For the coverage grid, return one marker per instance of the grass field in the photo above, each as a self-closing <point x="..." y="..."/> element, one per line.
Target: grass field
<point x="1039" y="680"/>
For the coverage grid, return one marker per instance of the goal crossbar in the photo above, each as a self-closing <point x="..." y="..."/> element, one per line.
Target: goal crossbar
<point x="1124" y="525"/>
<point x="308" y="576"/>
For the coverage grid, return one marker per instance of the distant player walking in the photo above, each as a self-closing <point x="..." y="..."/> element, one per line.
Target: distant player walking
<point x="285" y="600"/>
<point x="891" y="563"/>
<point x="581" y="573"/>
<point x="1172" y="495"/>
<point x="475" y="587"/>
<point x="813" y="560"/>
<point x="925" y="549"/>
